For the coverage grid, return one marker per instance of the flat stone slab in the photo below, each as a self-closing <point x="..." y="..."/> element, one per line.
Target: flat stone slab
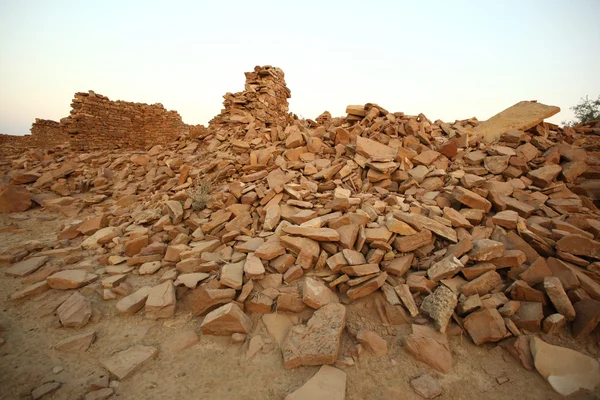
<point x="76" y="343"/>
<point x="26" y="267"/>
<point x="126" y="362"/>
<point x="317" y="342"/>
<point x="522" y="116"/>
<point x="328" y="383"/>
<point x="566" y="370"/>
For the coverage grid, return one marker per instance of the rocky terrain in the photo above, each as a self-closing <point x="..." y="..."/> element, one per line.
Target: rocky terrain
<point x="375" y="255"/>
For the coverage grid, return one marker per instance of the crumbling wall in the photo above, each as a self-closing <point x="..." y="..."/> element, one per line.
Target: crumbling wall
<point x="47" y="134"/>
<point x="13" y="141"/>
<point x="262" y="104"/>
<point x="96" y="122"/>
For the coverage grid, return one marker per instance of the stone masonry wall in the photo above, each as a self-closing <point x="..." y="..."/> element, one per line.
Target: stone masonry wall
<point x="96" y="122"/>
<point x="46" y="134"/>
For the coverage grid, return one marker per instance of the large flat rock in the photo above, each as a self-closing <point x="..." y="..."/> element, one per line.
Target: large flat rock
<point x="328" y="383"/>
<point x="522" y="116"/>
<point x="126" y="362"/>
<point x="566" y="370"/>
<point x="317" y="342"/>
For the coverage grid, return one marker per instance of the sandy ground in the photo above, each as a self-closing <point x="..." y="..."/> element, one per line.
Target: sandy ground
<point x="216" y="369"/>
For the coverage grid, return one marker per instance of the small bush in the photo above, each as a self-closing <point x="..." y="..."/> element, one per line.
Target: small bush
<point x="586" y="110"/>
<point x="200" y="194"/>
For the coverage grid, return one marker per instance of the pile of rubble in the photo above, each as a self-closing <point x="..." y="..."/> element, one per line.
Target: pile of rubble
<point x="498" y="240"/>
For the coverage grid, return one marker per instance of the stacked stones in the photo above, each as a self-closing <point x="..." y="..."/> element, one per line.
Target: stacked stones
<point x="262" y="104"/>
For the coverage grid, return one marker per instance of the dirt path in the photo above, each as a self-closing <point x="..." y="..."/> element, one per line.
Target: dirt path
<point x="214" y="368"/>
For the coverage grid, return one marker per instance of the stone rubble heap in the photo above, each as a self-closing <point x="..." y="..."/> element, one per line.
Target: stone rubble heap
<point x="445" y="231"/>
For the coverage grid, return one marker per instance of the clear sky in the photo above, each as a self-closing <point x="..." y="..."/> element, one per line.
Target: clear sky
<point x="448" y="59"/>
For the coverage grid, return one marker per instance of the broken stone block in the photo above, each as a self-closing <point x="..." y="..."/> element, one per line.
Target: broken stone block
<point x="366" y="288"/>
<point x="405" y="244"/>
<point x="328" y="383"/>
<point x="100" y="394"/>
<point x="400" y="265"/>
<point x="485" y="325"/>
<point x="536" y="272"/>
<point x="444" y="269"/>
<point x="471" y="199"/>
<point x="45" y="389"/>
<point x="553" y="323"/>
<point x="161" y="301"/>
<point x="421" y="222"/>
<point x="26" y="267"/>
<point x="278" y="325"/>
<point x="587" y="317"/>
<point x="226" y="320"/>
<point x="529" y="316"/>
<point x="290" y="302"/>
<point x="579" y="245"/>
<point x="253" y="267"/>
<point x="440" y="306"/>
<point x="543" y="176"/>
<point x="77" y="343"/>
<point x="30" y="290"/>
<point x="70" y="279"/>
<point x="101" y="237"/>
<point x="373" y="343"/>
<point x="232" y="275"/>
<point x="426" y="386"/>
<point x="520" y="349"/>
<point x="566" y="370"/>
<point x="134" y="302"/>
<point x="126" y="362"/>
<point x="482" y="284"/>
<point x="430" y="347"/>
<point x="486" y="249"/>
<point x="318" y="341"/>
<point x="75" y="312"/>
<point x="315" y="294"/>
<point x="178" y="342"/>
<point x="559" y="297"/>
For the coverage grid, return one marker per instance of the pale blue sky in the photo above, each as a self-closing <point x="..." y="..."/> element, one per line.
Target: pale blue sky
<point x="448" y="59"/>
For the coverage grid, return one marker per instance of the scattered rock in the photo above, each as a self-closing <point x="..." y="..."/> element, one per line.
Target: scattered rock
<point x="426" y="386"/>
<point x="440" y="306"/>
<point x="566" y="370"/>
<point x="178" y="342"/>
<point x="77" y="343"/>
<point x="161" y="301"/>
<point x="75" y="312"/>
<point x="373" y="342"/>
<point x="126" y="362"/>
<point x="226" y="320"/>
<point x="485" y="326"/>
<point x="45" y="389"/>
<point x="328" y="383"/>
<point x="317" y="342"/>
<point x="430" y="347"/>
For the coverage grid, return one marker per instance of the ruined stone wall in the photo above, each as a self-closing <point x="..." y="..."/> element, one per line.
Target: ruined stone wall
<point x="96" y="122"/>
<point x="47" y="134"/>
<point x="262" y="104"/>
<point x="13" y="141"/>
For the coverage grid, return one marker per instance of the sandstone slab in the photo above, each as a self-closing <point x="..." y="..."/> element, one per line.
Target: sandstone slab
<point x="124" y="363"/>
<point x="317" y="342"/>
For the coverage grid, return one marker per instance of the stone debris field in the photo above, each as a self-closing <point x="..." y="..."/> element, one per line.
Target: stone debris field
<point x="371" y="256"/>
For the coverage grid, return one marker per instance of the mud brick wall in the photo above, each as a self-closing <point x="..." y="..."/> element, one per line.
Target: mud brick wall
<point x="96" y="122"/>
<point x="262" y="104"/>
